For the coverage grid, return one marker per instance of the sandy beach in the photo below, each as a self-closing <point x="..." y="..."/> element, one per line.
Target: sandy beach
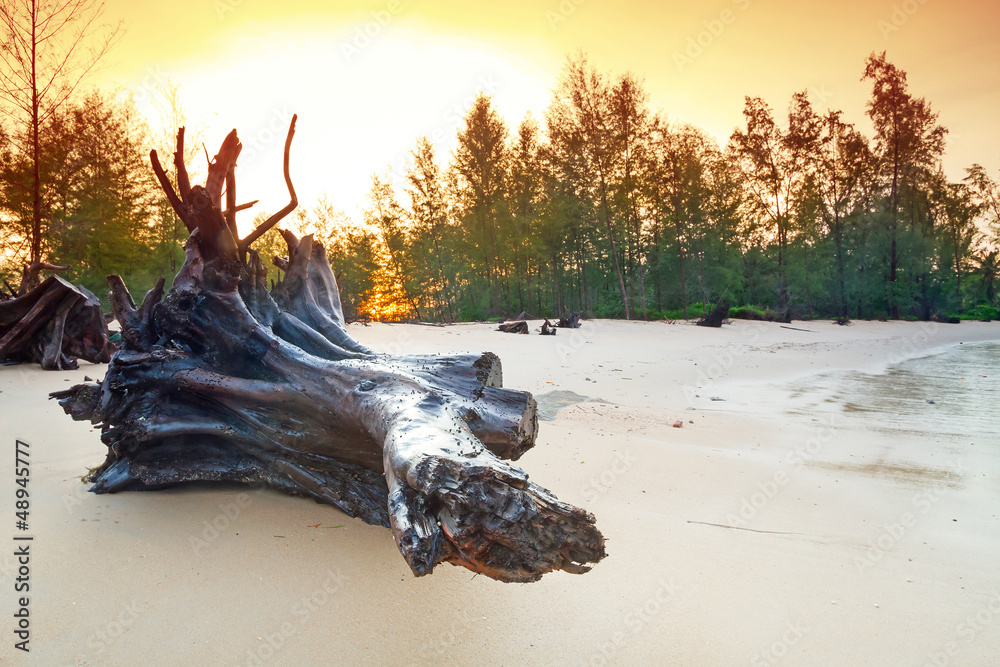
<point x="797" y="516"/>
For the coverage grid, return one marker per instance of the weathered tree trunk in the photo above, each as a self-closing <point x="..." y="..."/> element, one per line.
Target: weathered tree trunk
<point x="53" y="324"/>
<point x="716" y="317"/>
<point x="221" y="380"/>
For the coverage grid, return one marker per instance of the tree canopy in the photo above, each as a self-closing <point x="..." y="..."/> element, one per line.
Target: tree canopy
<point x="605" y="206"/>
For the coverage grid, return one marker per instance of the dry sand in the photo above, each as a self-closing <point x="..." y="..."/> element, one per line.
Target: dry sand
<point x="776" y="526"/>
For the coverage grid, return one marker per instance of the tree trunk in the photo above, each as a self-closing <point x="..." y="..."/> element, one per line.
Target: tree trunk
<point x="680" y="259"/>
<point x="36" y="174"/>
<point x="614" y="248"/>
<point x="637" y="225"/>
<point x="222" y="380"/>
<point x="893" y="255"/>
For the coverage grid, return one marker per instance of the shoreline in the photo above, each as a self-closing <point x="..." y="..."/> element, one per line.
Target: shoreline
<point x="859" y="545"/>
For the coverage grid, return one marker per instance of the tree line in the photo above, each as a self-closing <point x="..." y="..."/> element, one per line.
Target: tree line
<point x="609" y="208"/>
<point x="603" y="206"/>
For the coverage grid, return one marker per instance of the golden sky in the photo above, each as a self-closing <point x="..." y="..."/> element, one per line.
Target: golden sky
<point x="368" y="78"/>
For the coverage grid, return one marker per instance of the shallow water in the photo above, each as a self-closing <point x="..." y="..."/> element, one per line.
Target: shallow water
<point x="550" y="403"/>
<point x="953" y="391"/>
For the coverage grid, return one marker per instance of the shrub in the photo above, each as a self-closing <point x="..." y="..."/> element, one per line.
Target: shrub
<point x="757" y="313"/>
<point x="983" y="312"/>
<point x="470" y="313"/>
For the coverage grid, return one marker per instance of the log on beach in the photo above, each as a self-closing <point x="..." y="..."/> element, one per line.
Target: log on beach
<point x="715" y="317"/>
<point x="519" y="327"/>
<point x="221" y="379"/>
<point x="53" y="324"/>
<point x="569" y="321"/>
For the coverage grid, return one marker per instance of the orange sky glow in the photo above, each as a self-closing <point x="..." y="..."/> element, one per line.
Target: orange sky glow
<point x="367" y="78"/>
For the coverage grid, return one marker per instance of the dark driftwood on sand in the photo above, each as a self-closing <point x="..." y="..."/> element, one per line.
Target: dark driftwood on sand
<point x="53" y="324"/>
<point x="221" y="379"/>
<point x="519" y="327"/>
<point x="569" y="321"/>
<point x="715" y="317"/>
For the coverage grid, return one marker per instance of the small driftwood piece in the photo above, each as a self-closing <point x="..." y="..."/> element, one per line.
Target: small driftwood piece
<point x="53" y="324"/>
<point x="715" y="317"/>
<point x="548" y="329"/>
<point x="569" y="321"/>
<point x="518" y="327"/>
<point x="223" y="380"/>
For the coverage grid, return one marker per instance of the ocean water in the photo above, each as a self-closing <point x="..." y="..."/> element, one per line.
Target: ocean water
<point x="950" y="391"/>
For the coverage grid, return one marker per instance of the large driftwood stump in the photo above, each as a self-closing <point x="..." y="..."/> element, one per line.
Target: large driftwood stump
<point x="221" y="379"/>
<point x="53" y="324"/>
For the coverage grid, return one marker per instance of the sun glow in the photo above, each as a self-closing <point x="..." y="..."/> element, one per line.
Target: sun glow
<point x="368" y="78"/>
<point x="384" y="307"/>
<point x="360" y="110"/>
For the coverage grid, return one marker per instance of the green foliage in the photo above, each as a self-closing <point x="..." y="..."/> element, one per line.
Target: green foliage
<point x="694" y="311"/>
<point x="759" y="313"/>
<point x="603" y="207"/>
<point x="738" y="311"/>
<point x="609" y="311"/>
<point x="471" y="312"/>
<point x="982" y="312"/>
<point x="103" y="210"/>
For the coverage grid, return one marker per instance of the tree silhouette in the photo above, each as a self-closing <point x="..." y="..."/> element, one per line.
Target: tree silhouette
<point x="907" y="139"/>
<point x="49" y="47"/>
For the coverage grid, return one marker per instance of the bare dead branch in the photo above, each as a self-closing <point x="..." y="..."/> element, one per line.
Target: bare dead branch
<point x="51" y="267"/>
<point x="180" y="208"/>
<point x="219" y="168"/>
<point x="183" y="182"/>
<point x="293" y="200"/>
<point x="231" y="200"/>
<point x="29" y="275"/>
<point x="291" y="240"/>
<point x="247" y="205"/>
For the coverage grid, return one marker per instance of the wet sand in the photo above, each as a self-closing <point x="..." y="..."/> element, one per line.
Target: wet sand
<point x="794" y="519"/>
